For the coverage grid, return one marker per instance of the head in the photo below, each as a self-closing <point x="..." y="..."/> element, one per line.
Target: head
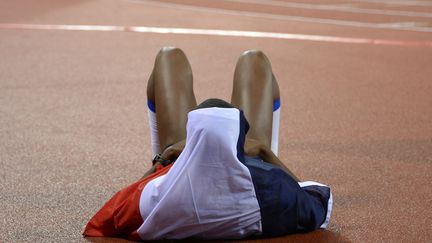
<point x="216" y="115"/>
<point x="219" y="103"/>
<point x="214" y="102"/>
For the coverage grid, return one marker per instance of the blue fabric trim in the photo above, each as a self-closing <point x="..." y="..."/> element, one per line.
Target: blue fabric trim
<point x="276" y="104"/>
<point x="151" y="106"/>
<point x="244" y="127"/>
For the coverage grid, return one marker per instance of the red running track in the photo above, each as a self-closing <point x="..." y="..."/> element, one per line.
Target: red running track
<point x="355" y="86"/>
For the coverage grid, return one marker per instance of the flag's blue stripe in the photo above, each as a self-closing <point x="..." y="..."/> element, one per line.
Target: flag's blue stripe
<point x="286" y="207"/>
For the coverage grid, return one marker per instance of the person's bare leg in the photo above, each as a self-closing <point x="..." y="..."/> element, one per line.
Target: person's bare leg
<point x="170" y="88"/>
<point x="254" y="90"/>
<point x="276" y="93"/>
<point x="275" y="117"/>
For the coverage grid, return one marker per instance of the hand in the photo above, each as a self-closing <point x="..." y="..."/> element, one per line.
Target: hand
<point x="253" y="147"/>
<point x="173" y="151"/>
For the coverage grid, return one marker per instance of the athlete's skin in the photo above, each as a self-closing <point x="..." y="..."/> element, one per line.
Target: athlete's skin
<point x="170" y="87"/>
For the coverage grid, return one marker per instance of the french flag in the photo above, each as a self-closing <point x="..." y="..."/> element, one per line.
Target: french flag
<point x="214" y="191"/>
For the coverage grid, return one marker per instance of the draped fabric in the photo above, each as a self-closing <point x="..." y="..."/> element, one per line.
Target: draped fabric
<point x="213" y="191"/>
<point x="120" y="216"/>
<point x="208" y="193"/>
<point x="287" y="206"/>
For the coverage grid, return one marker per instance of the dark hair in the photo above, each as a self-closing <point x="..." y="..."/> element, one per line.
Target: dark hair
<point x="214" y="102"/>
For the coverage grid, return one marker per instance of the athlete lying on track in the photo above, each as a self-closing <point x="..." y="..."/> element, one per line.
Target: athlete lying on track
<point x="217" y="175"/>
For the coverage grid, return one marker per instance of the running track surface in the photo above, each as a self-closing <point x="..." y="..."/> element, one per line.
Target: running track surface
<point x="356" y="115"/>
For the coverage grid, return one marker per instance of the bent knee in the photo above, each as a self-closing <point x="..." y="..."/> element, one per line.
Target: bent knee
<point x="255" y="55"/>
<point x="170" y="51"/>
<point x="254" y="59"/>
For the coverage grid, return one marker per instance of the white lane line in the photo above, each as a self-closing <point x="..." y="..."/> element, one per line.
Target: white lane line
<point x="339" y="7"/>
<point x="216" y="32"/>
<point x="399" y="2"/>
<point x="420" y="27"/>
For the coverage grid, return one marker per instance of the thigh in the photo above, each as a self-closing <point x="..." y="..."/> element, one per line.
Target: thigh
<point x="171" y="88"/>
<point x="254" y="90"/>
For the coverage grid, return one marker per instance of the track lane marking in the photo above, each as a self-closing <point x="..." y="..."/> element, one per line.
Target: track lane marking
<point x="335" y="7"/>
<point x="218" y="32"/>
<point x="399" y="2"/>
<point x="389" y="26"/>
